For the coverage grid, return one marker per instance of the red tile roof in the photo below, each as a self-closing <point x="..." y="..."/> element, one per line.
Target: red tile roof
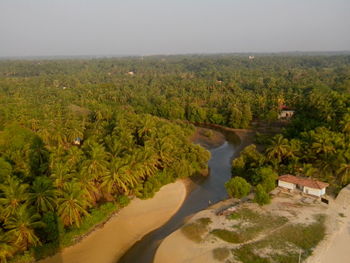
<point x="308" y="182"/>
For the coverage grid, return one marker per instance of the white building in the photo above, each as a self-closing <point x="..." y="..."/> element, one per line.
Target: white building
<point x="306" y="185"/>
<point x="286" y="114"/>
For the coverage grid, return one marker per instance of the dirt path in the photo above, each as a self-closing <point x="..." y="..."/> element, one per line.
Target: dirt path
<point x="107" y="244"/>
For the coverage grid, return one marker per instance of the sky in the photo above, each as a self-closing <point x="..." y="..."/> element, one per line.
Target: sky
<point x="147" y="27"/>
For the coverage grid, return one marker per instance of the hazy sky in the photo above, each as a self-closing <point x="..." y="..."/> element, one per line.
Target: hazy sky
<point x="116" y="27"/>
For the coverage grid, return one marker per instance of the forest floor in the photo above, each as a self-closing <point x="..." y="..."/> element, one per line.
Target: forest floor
<point x="130" y="224"/>
<point x="277" y="232"/>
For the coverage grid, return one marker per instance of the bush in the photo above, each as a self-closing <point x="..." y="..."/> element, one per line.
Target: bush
<point x="266" y="177"/>
<point x="237" y="187"/>
<point x="261" y="197"/>
<point x="194" y="231"/>
<point x="228" y="236"/>
<point x="221" y="253"/>
<point x="123" y="200"/>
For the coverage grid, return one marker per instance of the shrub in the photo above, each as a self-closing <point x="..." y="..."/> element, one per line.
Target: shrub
<point x="221" y="253"/>
<point x="197" y="229"/>
<point x="261" y="197"/>
<point x="123" y="200"/>
<point x="237" y="187"/>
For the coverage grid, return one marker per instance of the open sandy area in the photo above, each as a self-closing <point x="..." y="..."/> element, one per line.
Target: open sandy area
<point x="109" y="243"/>
<point x="335" y="247"/>
<point x="177" y="248"/>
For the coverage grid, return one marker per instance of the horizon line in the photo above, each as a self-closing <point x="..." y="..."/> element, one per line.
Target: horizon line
<point x="98" y="56"/>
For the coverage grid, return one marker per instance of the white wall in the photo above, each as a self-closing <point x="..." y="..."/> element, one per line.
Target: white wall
<point x="286" y="114"/>
<point x="286" y="185"/>
<point x="313" y="191"/>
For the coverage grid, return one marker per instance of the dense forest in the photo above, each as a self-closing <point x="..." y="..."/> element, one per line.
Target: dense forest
<point x="81" y="136"/>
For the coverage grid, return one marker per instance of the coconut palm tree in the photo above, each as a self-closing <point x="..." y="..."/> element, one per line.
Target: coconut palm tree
<point x="97" y="161"/>
<point x="61" y="174"/>
<point x="89" y="186"/>
<point x="118" y="178"/>
<point x="21" y="226"/>
<point x="279" y="149"/>
<point x="72" y="204"/>
<point x="344" y="173"/>
<point x="7" y="249"/>
<point x="42" y="195"/>
<point x="14" y="194"/>
<point x="346" y="123"/>
<point x="74" y="156"/>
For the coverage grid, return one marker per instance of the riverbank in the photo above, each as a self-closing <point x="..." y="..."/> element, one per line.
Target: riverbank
<point x="272" y="233"/>
<point x="107" y="244"/>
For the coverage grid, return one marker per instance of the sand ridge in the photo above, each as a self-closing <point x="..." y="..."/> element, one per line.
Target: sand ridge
<point x="109" y="243"/>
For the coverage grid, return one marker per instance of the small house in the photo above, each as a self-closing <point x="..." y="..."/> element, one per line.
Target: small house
<point x="285" y="112"/>
<point x="306" y="185"/>
<point x="77" y="141"/>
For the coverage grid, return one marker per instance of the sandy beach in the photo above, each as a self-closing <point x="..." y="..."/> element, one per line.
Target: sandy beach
<point x="109" y="243"/>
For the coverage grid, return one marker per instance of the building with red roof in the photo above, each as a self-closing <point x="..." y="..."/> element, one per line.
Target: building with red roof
<point x="306" y="185"/>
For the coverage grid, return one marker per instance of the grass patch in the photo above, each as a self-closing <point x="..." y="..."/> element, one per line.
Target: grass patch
<point x="228" y="236"/>
<point x="285" y="243"/>
<point x="341" y="214"/>
<point x="221" y="253"/>
<point x="256" y="223"/>
<point x="195" y="231"/>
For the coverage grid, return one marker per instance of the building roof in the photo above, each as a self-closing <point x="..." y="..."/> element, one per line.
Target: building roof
<point x="308" y="182"/>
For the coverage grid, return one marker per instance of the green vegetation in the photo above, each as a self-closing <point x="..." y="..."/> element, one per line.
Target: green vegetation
<point x="228" y="236"/>
<point x="237" y="187"/>
<point x="284" y="244"/>
<point x="77" y="134"/>
<point x="261" y="196"/>
<point x="53" y="191"/>
<point x="249" y="225"/>
<point x="195" y="231"/>
<point x="221" y="253"/>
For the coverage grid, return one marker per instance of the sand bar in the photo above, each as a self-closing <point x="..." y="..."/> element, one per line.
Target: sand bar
<point x="109" y="243"/>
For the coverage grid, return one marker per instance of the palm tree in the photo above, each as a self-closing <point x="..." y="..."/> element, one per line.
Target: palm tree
<point x="96" y="164"/>
<point x="74" y="156"/>
<point x="43" y="195"/>
<point x="279" y="149"/>
<point x="72" y="204"/>
<point x="89" y="186"/>
<point x="7" y="250"/>
<point x="61" y="174"/>
<point x="346" y="123"/>
<point x="344" y="173"/>
<point x="21" y="227"/>
<point x="118" y="178"/>
<point x="14" y="194"/>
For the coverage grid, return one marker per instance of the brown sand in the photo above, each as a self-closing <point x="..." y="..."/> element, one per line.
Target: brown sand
<point x="335" y="248"/>
<point x="140" y="217"/>
<point x="208" y="138"/>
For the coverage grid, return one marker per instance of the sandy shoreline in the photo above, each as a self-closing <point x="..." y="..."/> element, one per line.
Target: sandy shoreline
<point x="109" y="243"/>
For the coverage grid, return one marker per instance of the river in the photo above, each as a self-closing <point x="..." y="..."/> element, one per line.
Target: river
<point x="207" y="191"/>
